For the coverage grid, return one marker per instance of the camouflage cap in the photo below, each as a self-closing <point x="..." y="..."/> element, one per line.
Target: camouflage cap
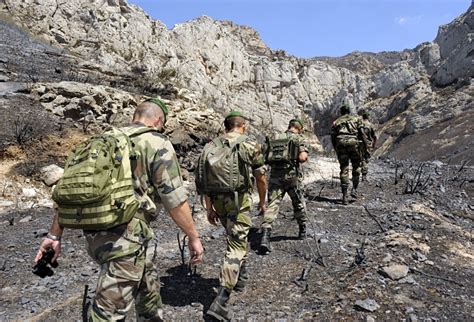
<point x="161" y="104"/>
<point x="234" y="113"/>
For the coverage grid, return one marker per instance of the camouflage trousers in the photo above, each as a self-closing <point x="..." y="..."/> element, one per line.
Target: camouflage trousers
<point x="276" y="192"/>
<point x="364" y="163"/>
<point x="364" y="166"/>
<point x="237" y="223"/>
<point x="346" y="154"/>
<point x="128" y="278"/>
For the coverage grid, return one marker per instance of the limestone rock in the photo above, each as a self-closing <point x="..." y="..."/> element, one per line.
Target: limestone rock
<point x="456" y="46"/>
<point x="207" y="64"/>
<point x="369" y="305"/>
<point x="395" y="271"/>
<point x="51" y="174"/>
<point x="28" y="193"/>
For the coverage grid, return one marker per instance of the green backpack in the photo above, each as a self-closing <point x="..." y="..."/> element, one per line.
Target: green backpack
<point x="222" y="169"/>
<point x="280" y="150"/>
<point x="96" y="191"/>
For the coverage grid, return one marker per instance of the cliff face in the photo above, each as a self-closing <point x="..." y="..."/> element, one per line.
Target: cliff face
<point x="220" y="66"/>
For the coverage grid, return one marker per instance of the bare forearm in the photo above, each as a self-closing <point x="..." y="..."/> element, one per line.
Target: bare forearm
<point x="261" y="187"/>
<point x="56" y="229"/>
<point x="181" y="215"/>
<point x="208" y="202"/>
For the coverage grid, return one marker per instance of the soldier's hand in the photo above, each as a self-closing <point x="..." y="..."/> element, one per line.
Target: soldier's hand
<point x="212" y="216"/>
<point x="196" y="250"/>
<point x="49" y="243"/>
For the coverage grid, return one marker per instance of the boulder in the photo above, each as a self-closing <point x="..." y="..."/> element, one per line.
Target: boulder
<point x="395" y="271"/>
<point x="51" y="174"/>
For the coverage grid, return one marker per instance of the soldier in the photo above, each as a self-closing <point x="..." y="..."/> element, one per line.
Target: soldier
<point x="232" y="208"/>
<point x="126" y="253"/>
<point x="369" y="140"/>
<point x="346" y="140"/>
<point x="285" y="153"/>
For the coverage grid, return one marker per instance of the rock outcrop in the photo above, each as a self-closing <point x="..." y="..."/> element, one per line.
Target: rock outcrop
<point x="218" y="65"/>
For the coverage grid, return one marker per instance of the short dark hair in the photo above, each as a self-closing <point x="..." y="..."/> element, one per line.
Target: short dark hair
<point x="148" y="110"/>
<point x="296" y="124"/>
<point x="232" y="122"/>
<point x="345" y="109"/>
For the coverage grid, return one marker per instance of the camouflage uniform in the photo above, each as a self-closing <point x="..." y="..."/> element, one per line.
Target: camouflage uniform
<point x="235" y="218"/>
<point x="346" y="140"/>
<point x="286" y="179"/>
<point x="126" y="253"/>
<point x="369" y="138"/>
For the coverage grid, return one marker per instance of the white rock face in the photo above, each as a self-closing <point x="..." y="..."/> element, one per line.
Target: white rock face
<point x="456" y="47"/>
<point x="220" y="66"/>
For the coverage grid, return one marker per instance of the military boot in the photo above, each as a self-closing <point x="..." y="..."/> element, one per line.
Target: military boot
<point x="265" y="242"/>
<point x="354" y="193"/>
<point x="243" y="278"/>
<point x="355" y="185"/>
<point x="218" y="308"/>
<point x="302" y="234"/>
<point x="157" y="317"/>
<point x="344" y="196"/>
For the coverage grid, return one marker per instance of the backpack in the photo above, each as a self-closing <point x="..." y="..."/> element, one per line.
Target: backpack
<point x="222" y="169"/>
<point x="96" y="191"/>
<point x="347" y="130"/>
<point x="281" y="150"/>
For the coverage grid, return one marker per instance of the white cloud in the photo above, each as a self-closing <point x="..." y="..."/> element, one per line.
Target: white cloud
<point x="403" y="20"/>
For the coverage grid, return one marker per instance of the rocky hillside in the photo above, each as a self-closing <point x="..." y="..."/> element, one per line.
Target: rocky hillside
<point x="402" y="251"/>
<point x="222" y="66"/>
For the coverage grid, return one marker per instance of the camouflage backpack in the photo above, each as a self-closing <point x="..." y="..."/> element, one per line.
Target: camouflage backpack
<point x="280" y="150"/>
<point x="96" y="191"/>
<point x="222" y="169"/>
<point x="347" y="130"/>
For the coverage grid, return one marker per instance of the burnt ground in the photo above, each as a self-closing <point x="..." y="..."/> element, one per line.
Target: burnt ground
<point x="426" y="226"/>
<point x="449" y="141"/>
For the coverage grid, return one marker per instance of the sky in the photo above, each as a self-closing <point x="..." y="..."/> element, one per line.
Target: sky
<point x="309" y="28"/>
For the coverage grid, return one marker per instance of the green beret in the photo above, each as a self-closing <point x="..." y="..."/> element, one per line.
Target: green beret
<point x="298" y="120"/>
<point x="234" y="113"/>
<point x="161" y="104"/>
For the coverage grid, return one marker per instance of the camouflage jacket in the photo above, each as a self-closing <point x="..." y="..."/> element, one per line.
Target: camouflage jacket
<point x="157" y="175"/>
<point x="368" y="134"/>
<point x="289" y="170"/>
<point x="157" y="171"/>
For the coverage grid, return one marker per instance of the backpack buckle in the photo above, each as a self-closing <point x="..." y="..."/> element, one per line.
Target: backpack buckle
<point x="119" y="204"/>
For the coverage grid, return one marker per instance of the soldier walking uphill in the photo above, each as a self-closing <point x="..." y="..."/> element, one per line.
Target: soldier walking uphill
<point x="284" y="153"/>
<point x="126" y="252"/>
<point x="346" y="139"/>
<point x="223" y="177"/>
<point x="369" y="139"/>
